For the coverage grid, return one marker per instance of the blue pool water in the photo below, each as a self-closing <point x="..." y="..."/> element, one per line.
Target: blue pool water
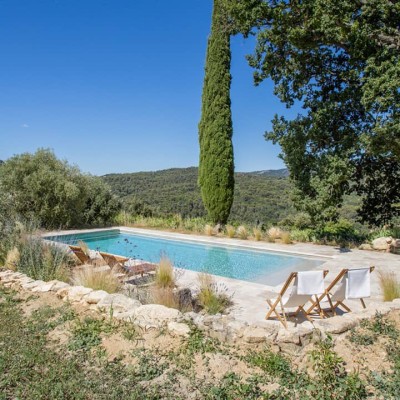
<point x="231" y="262"/>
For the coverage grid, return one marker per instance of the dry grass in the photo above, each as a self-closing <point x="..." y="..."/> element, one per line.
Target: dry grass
<point x="164" y="296"/>
<point x="274" y="233"/>
<point x="12" y="259"/>
<point x="285" y="237"/>
<point x="257" y="233"/>
<point x="390" y="286"/>
<point x="96" y="280"/>
<point x="84" y="247"/>
<point x="165" y="277"/>
<point x="242" y="232"/>
<point x="230" y="231"/>
<point x="209" y="230"/>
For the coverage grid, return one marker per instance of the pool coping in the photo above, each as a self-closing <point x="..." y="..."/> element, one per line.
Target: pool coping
<point x="215" y="241"/>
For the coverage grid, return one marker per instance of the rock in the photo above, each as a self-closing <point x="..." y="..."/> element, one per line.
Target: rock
<point x="382" y="243"/>
<point x="254" y="335"/>
<point x="337" y="324"/>
<point x="155" y="315"/>
<point x="119" y="303"/>
<point x="365" y="246"/>
<point x="46" y="287"/>
<point x="396" y="243"/>
<point x="178" y="329"/>
<point x="185" y="298"/>
<point x="95" y="297"/>
<point x="32" y="285"/>
<point x="73" y="293"/>
<point x="59" y="285"/>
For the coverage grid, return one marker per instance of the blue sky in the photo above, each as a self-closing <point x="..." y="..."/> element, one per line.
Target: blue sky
<point x="115" y="85"/>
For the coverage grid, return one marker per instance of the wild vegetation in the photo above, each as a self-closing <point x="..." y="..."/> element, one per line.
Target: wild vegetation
<point x="339" y="61"/>
<point x="156" y="366"/>
<point x="42" y="188"/>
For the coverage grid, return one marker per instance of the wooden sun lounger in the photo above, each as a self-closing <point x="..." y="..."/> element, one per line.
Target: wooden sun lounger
<point x="296" y="299"/>
<point x="80" y="254"/>
<point x="328" y="294"/>
<point x="113" y="260"/>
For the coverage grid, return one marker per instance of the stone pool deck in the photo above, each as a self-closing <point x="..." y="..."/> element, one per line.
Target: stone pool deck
<point x="249" y="298"/>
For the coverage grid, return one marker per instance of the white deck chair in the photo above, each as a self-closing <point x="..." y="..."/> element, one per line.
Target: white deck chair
<point x="351" y="284"/>
<point x="306" y="284"/>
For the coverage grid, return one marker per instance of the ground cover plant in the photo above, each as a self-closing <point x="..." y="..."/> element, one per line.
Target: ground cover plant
<point x="54" y="350"/>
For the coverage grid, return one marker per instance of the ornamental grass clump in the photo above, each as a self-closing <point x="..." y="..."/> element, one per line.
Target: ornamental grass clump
<point x="242" y="232"/>
<point x="286" y="238"/>
<point x="165" y="277"/>
<point x="208" y="230"/>
<point x="96" y="280"/>
<point x="257" y="233"/>
<point x="274" y="233"/>
<point x="212" y="297"/>
<point x="230" y="231"/>
<point x="390" y="286"/>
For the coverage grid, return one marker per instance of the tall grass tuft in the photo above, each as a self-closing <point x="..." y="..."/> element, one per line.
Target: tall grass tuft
<point x="12" y="259"/>
<point x="257" y="233"/>
<point x="84" y="247"/>
<point x="286" y="238"/>
<point x="242" y="232"/>
<point x="44" y="261"/>
<point x="208" y="230"/>
<point x="230" y="231"/>
<point x="165" y="277"/>
<point x="274" y="233"/>
<point x="390" y="286"/>
<point x="96" y="280"/>
<point x="211" y="296"/>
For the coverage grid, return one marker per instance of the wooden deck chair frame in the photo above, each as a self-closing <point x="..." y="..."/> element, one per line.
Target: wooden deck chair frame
<point x="282" y="318"/>
<point x="328" y="294"/>
<point x="113" y="260"/>
<point x="80" y="254"/>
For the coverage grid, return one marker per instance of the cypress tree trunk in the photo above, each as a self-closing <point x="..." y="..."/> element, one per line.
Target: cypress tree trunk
<point x="216" y="169"/>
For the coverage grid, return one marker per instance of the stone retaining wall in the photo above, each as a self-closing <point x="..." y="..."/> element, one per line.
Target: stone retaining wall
<point x="223" y="327"/>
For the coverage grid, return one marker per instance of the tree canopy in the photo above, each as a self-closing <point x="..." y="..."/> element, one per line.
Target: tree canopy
<point x="42" y="187"/>
<point x="216" y="167"/>
<point x="339" y="60"/>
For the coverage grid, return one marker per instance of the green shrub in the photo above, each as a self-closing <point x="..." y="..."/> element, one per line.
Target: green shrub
<point x="41" y="186"/>
<point x="212" y="296"/>
<point x="44" y="261"/>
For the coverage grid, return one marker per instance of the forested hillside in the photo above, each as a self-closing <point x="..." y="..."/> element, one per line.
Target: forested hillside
<point x="259" y="196"/>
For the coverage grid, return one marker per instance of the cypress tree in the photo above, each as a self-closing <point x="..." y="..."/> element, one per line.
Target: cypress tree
<point x="216" y="169"/>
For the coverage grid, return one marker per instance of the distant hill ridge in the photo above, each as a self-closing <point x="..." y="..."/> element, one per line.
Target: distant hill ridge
<point x="259" y="196"/>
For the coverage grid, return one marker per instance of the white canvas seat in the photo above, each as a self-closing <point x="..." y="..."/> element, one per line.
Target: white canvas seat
<point x="350" y="284"/>
<point x="306" y="284"/>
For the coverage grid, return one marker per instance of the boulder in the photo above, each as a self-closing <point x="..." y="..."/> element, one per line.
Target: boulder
<point x="254" y="335"/>
<point x="382" y="243"/>
<point x="365" y="246"/>
<point x="32" y="285"/>
<point x="45" y="287"/>
<point x="95" y="297"/>
<point x="73" y="293"/>
<point x="119" y="303"/>
<point x="178" y="329"/>
<point x="58" y="285"/>
<point x="155" y="315"/>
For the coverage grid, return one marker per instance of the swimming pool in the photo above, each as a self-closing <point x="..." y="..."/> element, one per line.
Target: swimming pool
<point x="227" y="261"/>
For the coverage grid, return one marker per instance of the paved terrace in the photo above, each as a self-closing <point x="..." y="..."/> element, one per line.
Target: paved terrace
<point x="249" y="298"/>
